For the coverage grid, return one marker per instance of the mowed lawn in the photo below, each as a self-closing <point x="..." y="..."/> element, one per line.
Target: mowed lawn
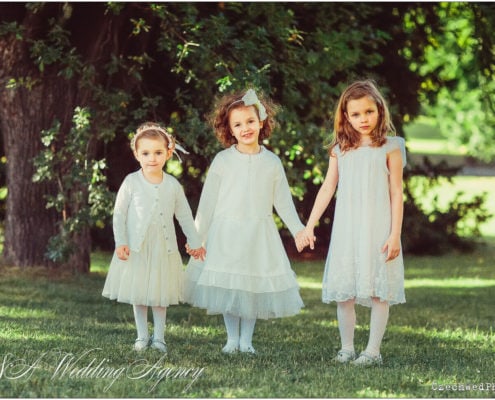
<point x="60" y="338"/>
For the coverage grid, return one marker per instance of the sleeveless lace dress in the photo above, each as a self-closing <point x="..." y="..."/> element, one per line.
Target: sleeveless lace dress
<point x="355" y="266"/>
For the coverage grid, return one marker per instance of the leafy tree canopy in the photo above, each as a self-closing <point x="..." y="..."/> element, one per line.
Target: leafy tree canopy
<point x="458" y="74"/>
<point x="120" y="64"/>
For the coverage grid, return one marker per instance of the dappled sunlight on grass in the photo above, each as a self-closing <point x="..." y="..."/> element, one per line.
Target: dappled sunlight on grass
<point x="375" y="393"/>
<point x="26" y="312"/>
<point x="444" y="333"/>
<point x="309" y="284"/>
<point x="38" y="336"/>
<point x="461" y="336"/>
<point x="450" y="283"/>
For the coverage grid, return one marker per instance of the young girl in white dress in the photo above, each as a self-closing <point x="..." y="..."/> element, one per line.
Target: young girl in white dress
<point x="364" y="263"/>
<point x="246" y="274"/>
<point x="146" y="269"/>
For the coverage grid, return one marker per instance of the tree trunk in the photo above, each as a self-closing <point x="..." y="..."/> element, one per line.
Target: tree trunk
<point x="23" y="114"/>
<point x="25" y="110"/>
<point x="80" y="259"/>
<point x="28" y="224"/>
<point x="31" y="100"/>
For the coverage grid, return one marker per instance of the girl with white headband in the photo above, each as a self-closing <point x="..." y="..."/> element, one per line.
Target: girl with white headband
<point x="146" y="269"/>
<point x="246" y="274"/>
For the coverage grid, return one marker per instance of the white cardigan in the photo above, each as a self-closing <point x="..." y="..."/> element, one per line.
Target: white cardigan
<point x="136" y="202"/>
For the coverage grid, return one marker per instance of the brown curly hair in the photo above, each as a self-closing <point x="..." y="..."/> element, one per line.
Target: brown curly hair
<point x="219" y="118"/>
<point x="344" y="134"/>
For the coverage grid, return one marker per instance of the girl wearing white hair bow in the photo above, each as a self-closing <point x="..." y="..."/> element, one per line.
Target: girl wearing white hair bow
<point x="146" y="269"/>
<point x="246" y="274"/>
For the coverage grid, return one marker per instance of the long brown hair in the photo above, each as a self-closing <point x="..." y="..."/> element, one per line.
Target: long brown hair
<point x="344" y="134"/>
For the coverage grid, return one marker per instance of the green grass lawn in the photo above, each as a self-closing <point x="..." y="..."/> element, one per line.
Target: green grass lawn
<point x="58" y="335"/>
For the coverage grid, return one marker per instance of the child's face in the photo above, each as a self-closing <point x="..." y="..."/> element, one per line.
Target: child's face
<point x="245" y="126"/>
<point x="152" y="154"/>
<point x="362" y="114"/>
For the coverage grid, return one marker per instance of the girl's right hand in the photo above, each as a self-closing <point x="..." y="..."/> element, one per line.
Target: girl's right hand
<point x="123" y="252"/>
<point x="305" y="238"/>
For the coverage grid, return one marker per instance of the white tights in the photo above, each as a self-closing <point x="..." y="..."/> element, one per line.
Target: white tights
<point x="346" y="316"/>
<point x="159" y="319"/>
<point x="245" y="338"/>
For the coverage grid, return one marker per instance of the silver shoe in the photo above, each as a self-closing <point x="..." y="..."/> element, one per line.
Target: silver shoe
<point x="230" y="348"/>
<point x="366" y="360"/>
<point x="141" y="344"/>
<point x="247" y="349"/>
<point x="159" y="345"/>
<point x="345" y="356"/>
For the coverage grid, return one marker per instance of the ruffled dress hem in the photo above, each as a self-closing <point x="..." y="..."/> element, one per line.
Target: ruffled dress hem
<point x="363" y="300"/>
<point x="278" y="297"/>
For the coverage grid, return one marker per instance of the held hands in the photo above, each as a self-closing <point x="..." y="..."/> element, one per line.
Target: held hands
<point x="392" y="247"/>
<point x="123" y="252"/>
<point x="196" y="253"/>
<point x="305" y="238"/>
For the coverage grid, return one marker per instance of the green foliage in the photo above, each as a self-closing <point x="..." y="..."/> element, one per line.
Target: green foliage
<point x="168" y="62"/>
<point x="300" y="54"/>
<point x="435" y="231"/>
<point x="458" y="87"/>
<point x="11" y="27"/>
<point x="82" y="198"/>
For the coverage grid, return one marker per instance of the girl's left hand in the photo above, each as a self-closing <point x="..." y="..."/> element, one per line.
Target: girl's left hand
<point x="196" y="253"/>
<point x="392" y="247"/>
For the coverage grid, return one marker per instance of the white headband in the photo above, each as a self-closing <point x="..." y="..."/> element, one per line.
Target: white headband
<point x="171" y="145"/>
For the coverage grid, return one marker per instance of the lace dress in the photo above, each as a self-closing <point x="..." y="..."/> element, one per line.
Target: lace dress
<point x="355" y="266"/>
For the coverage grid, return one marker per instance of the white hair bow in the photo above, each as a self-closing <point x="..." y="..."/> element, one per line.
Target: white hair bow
<point x="250" y="99"/>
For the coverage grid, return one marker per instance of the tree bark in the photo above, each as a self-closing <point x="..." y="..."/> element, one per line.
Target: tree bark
<point x="32" y="105"/>
<point x="26" y="109"/>
<point x="24" y="113"/>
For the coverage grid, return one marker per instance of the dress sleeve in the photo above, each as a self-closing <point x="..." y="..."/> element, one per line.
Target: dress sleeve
<point x="208" y="201"/>
<point x="120" y="210"/>
<point x="284" y="204"/>
<point x="397" y="142"/>
<point x="183" y="214"/>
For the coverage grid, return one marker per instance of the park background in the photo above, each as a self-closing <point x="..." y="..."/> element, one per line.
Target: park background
<point x="77" y="79"/>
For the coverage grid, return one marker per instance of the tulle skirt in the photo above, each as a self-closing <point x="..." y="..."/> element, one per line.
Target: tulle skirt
<point x="246" y="273"/>
<point x="151" y="277"/>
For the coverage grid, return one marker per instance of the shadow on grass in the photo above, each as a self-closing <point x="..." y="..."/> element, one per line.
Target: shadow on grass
<point x="443" y="334"/>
